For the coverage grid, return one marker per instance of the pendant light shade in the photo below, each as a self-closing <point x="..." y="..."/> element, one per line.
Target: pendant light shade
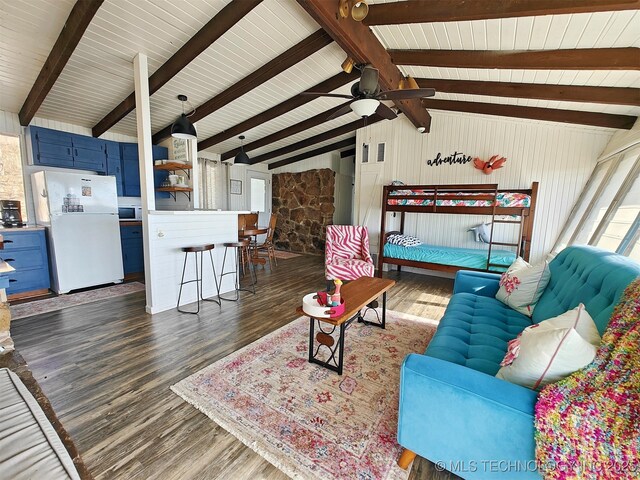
<point x="241" y="158"/>
<point x="182" y="127"/>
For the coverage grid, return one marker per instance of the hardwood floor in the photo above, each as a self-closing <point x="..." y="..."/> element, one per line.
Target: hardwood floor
<point x="107" y="367"/>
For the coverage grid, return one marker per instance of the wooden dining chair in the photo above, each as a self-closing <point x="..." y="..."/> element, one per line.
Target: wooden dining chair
<point x="268" y="245"/>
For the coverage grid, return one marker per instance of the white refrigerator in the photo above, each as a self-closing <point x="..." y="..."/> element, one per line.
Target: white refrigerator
<point x="81" y="215"/>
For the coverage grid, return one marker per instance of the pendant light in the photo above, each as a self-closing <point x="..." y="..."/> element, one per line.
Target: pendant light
<point x="182" y="127"/>
<point x="241" y="158"/>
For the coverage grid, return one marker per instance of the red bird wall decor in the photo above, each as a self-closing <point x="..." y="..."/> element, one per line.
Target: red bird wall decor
<point x="494" y="163"/>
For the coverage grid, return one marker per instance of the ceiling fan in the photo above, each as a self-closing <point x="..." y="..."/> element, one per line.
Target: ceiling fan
<point x="366" y="96"/>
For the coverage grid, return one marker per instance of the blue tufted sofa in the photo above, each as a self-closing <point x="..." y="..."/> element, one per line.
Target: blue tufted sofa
<point x="453" y="410"/>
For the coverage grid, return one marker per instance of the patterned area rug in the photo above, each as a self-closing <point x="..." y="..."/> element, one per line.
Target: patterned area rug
<point x="70" y="300"/>
<point x="304" y="419"/>
<point x="284" y="254"/>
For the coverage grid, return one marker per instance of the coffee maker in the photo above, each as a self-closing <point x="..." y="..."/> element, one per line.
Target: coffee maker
<point x="10" y="213"/>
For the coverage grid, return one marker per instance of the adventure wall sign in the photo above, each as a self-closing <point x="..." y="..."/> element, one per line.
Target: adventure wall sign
<point x="455" y="159"/>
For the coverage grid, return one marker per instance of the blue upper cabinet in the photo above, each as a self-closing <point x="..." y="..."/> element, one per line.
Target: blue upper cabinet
<point x="114" y="165"/>
<point x="67" y="150"/>
<point x="131" y="172"/>
<point x="51" y="147"/>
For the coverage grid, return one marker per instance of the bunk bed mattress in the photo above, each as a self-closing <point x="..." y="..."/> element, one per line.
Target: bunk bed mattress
<point x="458" y="257"/>
<point x="504" y="199"/>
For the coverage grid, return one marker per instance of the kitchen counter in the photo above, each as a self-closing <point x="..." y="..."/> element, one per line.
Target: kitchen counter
<point x="198" y="212"/>
<point x="29" y="228"/>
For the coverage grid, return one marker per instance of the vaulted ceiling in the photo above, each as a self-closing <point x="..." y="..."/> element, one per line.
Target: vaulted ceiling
<point x="244" y="64"/>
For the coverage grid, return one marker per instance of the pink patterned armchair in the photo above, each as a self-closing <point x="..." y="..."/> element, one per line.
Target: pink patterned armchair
<point x="347" y="253"/>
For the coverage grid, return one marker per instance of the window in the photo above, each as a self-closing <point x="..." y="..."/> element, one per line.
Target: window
<point x="213" y="184"/>
<point x="607" y="214"/>
<point x="258" y="194"/>
<point x="12" y="184"/>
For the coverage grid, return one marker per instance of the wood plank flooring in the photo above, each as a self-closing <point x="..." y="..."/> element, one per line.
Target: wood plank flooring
<point x="107" y="367"/>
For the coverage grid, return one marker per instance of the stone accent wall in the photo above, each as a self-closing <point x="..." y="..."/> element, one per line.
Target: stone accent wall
<point x="304" y="204"/>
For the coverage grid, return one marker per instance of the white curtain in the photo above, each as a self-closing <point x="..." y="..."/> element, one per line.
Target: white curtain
<point x="214" y="181"/>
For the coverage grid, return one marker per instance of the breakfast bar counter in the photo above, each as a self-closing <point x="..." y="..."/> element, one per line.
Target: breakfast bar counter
<point x="169" y="231"/>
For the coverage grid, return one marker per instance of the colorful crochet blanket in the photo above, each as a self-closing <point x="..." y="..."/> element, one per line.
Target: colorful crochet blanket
<point x="588" y="425"/>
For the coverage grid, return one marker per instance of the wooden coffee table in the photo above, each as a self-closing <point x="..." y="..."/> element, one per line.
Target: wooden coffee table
<point x="357" y="295"/>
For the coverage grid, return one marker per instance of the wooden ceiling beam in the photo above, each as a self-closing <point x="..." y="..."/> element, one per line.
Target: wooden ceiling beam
<point x="348" y="153"/>
<point x="537" y="91"/>
<point x="626" y="58"/>
<point x="206" y="36"/>
<point x="287" y="132"/>
<point x="535" y="113"/>
<point x="327" y="86"/>
<point x="360" y="43"/>
<point x="312" y="153"/>
<point x="428" y="11"/>
<point x="79" y="19"/>
<point x="321" y="137"/>
<point x="303" y="49"/>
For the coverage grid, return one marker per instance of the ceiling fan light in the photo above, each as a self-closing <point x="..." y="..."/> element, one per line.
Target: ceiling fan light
<point x="365" y="107"/>
<point x="359" y="10"/>
<point x="411" y="84"/>
<point x="183" y="128"/>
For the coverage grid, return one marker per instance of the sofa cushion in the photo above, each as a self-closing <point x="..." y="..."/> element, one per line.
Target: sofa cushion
<point x="474" y="332"/>
<point x="589" y="275"/>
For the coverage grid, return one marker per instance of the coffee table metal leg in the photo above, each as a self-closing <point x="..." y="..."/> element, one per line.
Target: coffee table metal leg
<point x="324" y="339"/>
<point x="341" y="347"/>
<point x="384" y="309"/>
<point x="311" y="331"/>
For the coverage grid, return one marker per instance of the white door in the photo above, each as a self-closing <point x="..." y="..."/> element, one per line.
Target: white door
<point x="260" y="195"/>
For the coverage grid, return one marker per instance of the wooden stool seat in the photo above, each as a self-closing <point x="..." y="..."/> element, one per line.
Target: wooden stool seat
<point x="198" y="248"/>
<point x="239" y="244"/>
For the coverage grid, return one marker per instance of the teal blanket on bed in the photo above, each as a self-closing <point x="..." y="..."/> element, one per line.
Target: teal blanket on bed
<point x="459" y="257"/>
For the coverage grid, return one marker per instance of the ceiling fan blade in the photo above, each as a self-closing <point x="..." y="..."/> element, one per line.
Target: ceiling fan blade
<point x="405" y="94"/>
<point x="321" y="94"/>
<point x="369" y="80"/>
<point x="341" y="111"/>
<point x="385" y="112"/>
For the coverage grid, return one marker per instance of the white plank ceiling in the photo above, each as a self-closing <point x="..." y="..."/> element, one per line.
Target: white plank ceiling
<point x="99" y="74"/>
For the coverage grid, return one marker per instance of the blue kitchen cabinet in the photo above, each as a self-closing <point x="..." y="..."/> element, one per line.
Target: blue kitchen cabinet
<point x="26" y="251"/>
<point x="114" y="165"/>
<point x="132" y="249"/>
<point x="89" y="153"/>
<point x="51" y="147"/>
<point x="131" y="172"/>
<point x="54" y="148"/>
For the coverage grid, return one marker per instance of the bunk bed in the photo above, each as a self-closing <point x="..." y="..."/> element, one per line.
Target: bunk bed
<point x="512" y="206"/>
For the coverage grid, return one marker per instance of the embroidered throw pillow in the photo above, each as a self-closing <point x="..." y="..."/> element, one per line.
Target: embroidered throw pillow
<point x="404" y="240"/>
<point x="522" y="285"/>
<point x="551" y="350"/>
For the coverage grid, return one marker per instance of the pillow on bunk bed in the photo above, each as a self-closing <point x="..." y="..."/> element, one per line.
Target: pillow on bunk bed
<point x="522" y="285"/>
<point x="551" y="350"/>
<point x="403" y="240"/>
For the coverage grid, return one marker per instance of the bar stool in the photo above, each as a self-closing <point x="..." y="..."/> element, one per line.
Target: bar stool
<point x="242" y="249"/>
<point x="198" y="249"/>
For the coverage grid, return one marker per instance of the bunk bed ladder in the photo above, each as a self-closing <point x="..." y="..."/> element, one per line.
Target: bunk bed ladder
<point x="493" y="217"/>
<point x="519" y="244"/>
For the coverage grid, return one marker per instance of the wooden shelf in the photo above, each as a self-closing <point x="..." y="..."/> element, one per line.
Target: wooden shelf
<point x="174" y="189"/>
<point x="173" y="166"/>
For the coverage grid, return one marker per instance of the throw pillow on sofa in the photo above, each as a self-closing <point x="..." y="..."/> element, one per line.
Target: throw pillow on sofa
<point x="551" y="350"/>
<point x="522" y="285"/>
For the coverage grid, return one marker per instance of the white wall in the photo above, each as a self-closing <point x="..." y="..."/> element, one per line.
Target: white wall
<point x="560" y="157"/>
<point x="344" y="179"/>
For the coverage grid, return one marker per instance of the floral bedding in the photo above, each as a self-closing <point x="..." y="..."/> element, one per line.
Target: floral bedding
<point x="505" y="199"/>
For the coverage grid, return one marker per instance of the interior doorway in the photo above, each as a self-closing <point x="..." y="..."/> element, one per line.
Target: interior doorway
<point x="260" y="195"/>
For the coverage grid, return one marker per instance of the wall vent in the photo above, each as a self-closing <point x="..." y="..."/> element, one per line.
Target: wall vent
<point x="365" y="153"/>
<point x="380" y="156"/>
